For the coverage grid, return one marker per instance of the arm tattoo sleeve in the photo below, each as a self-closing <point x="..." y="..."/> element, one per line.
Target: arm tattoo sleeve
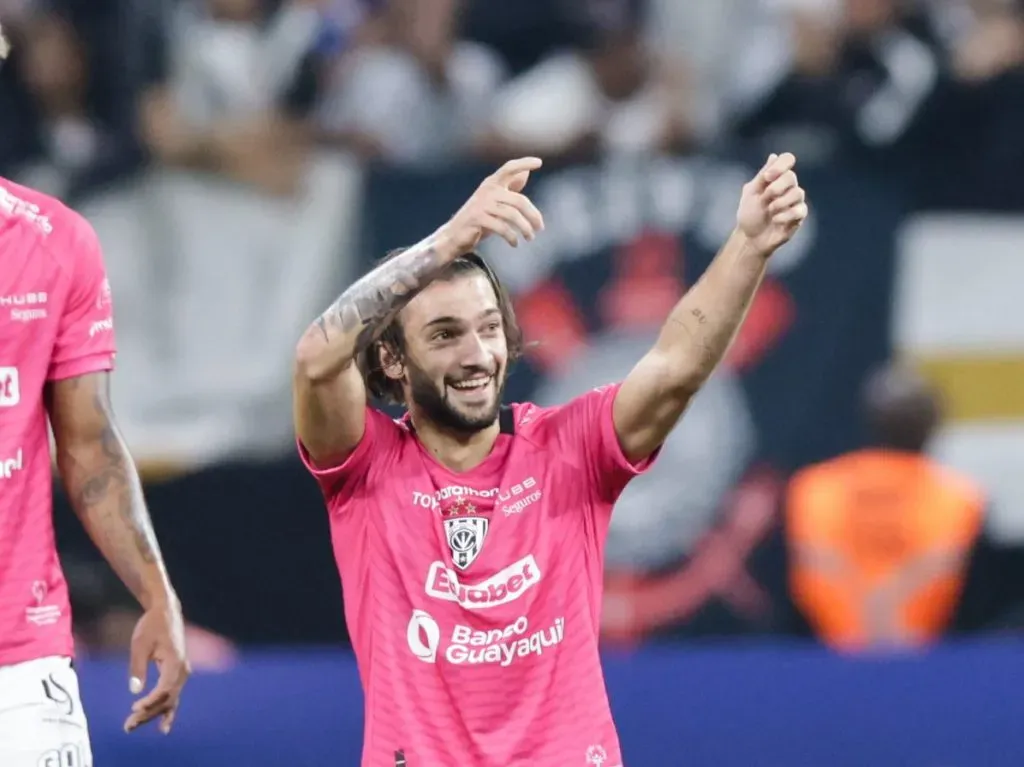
<point x="103" y="485"/>
<point x="109" y="487"/>
<point x="371" y="302"/>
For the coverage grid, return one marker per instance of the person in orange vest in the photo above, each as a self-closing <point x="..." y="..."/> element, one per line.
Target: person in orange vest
<point x="885" y="546"/>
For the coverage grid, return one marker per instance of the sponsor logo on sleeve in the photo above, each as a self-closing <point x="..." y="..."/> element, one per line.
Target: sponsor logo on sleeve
<point x="101" y="326"/>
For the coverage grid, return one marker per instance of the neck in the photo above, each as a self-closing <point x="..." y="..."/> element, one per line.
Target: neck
<point x="459" y="451"/>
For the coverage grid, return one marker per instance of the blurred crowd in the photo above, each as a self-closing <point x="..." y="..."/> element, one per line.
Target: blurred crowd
<point x="929" y="92"/>
<point x="933" y="89"/>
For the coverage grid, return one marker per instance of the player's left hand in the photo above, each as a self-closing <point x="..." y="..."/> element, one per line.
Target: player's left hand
<point x="772" y="205"/>
<point x="159" y="637"/>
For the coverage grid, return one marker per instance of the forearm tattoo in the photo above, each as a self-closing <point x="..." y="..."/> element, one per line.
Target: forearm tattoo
<point x="701" y="339"/>
<point x="106" y="493"/>
<point x="729" y="288"/>
<point x="368" y="305"/>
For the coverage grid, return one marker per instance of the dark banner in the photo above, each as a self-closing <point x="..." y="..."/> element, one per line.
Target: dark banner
<point x="692" y="549"/>
<point x="687" y="550"/>
<point x="770" y="706"/>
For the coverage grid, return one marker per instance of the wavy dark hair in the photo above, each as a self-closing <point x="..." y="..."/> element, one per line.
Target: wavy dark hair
<point x="392" y="339"/>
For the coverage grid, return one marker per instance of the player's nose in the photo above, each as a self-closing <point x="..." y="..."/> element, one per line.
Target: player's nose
<point x="475" y="353"/>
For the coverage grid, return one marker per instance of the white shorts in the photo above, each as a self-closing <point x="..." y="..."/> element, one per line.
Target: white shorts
<point x="42" y="723"/>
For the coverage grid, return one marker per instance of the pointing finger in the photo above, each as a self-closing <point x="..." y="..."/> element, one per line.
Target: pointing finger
<point x="508" y="172"/>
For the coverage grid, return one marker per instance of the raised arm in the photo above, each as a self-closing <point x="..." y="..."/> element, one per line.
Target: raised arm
<point x="702" y="325"/>
<point x="329" y="403"/>
<point x="106" y="494"/>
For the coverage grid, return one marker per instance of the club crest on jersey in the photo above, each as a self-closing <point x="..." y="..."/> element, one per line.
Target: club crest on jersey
<point x="465" y="532"/>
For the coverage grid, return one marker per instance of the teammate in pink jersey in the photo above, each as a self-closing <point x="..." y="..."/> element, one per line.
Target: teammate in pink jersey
<point x="470" y="536"/>
<point x="56" y="351"/>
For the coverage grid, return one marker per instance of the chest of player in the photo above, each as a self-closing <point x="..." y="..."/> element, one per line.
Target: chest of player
<point x="489" y="547"/>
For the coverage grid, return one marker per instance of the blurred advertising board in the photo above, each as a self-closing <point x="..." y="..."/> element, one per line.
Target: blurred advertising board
<point x="770" y="706"/>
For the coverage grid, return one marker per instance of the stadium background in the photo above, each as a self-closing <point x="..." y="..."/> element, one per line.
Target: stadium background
<point x="335" y="129"/>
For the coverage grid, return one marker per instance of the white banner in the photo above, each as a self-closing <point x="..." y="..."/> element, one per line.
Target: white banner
<point x="213" y="284"/>
<point x="960" y="316"/>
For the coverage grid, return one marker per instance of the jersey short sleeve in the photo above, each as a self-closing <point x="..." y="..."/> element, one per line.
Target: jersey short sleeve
<point x="85" y="334"/>
<point x="589" y="434"/>
<point x="375" y="451"/>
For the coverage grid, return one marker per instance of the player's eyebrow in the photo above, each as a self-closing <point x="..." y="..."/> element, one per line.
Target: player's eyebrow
<point x="446" y="320"/>
<point x="449" y="320"/>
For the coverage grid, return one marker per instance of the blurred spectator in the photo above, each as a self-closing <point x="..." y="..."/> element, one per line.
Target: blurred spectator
<point x="886" y="547"/>
<point x="523" y="32"/>
<point x="608" y="96"/>
<point x="231" y="86"/>
<point x="835" y="79"/>
<point x="413" y="93"/>
<point x="71" y="104"/>
<point x="698" y="41"/>
<point x="978" y="133"/>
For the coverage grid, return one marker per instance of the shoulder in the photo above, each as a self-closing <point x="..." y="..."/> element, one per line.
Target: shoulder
<point x="26" y="213"/>
<point x="47" y="223"/>
<point x="385" y="436"/>
<point x="537" y="420"/>
<point x="592" y="402"/>
<point x="382" y="446"/>
<point x="529" y="418"/>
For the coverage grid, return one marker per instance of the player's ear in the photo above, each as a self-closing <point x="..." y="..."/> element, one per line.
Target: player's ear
<point x="391" y="362"/>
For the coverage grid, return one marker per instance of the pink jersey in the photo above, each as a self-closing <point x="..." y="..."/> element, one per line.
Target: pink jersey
<point x="55" y="323"/>
<point x="474" y="599"/>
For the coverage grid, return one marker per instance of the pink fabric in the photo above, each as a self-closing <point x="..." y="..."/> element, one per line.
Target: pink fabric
<point x="55" y="323"/>
<point x="474" y="599"/>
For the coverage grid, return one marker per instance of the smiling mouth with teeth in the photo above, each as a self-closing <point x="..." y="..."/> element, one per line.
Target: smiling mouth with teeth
<point x="476" y="383"/>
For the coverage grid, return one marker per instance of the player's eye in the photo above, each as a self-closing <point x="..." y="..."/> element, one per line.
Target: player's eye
<point x="442" y="335"/>
<point x="492" y="327"/>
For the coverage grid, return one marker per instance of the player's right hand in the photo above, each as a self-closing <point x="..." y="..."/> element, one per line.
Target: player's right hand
<point x="159" y="637"/>
<point x="496" y="207"/>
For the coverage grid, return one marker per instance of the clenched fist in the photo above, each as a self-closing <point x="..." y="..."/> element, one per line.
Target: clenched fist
<point x="772" y="205"/>
<point x="496" y="207"/>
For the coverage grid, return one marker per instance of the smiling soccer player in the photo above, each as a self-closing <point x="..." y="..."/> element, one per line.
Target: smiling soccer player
<point x="470" y="535"/>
